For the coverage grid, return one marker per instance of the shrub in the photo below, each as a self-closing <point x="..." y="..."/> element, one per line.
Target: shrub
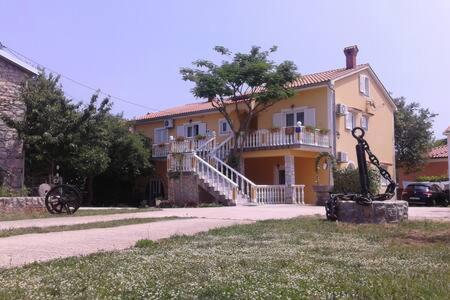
<point x="432" y="178"/>
<point x="149" y="244"/>
<point x="6" y="191"/>
<point x="191" y="203"/>
<point x="346" y="181"/>
<point x="166" y="204"/>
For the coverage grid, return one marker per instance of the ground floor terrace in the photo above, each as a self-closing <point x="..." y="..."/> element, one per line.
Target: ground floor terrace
<point x="278" y="175"/>
<point x="286" y="168"/>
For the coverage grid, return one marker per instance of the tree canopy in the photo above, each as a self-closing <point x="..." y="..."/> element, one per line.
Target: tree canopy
<point x="413" y="134"/>
<point x="84" y="140"/>
<point x="249" y="82"/>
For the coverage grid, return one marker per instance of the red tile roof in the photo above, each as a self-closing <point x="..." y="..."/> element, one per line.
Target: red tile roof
<point x="439" y="152"/>
<point x="200" y="107"/>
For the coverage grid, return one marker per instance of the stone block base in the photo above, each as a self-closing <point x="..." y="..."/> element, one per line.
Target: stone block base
<point x="392" y="211"/>
<point x="21" y="204"/>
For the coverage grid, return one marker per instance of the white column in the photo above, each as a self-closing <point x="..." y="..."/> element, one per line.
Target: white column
<point x="289" y="171"/>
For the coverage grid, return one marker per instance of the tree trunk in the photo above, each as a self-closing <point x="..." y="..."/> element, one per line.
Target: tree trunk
<point x="90" y="188"/>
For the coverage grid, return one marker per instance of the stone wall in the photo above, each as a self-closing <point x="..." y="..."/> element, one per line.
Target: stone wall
<point x="184" y="189"/>
<point x="11" y="149"/>
<point x="21" y="204"/>
<point x="379" y="212"/>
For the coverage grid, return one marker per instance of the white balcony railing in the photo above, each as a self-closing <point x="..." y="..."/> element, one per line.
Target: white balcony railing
<point x="278" y="137"/>
<point x="287" y="136"/>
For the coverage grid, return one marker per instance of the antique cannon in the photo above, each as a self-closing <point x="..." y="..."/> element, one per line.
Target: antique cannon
<point x="365" y="197"/>
<point x="63" y="198"/>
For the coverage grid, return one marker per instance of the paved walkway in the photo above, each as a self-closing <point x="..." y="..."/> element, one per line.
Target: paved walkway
<point x="23" y="249"/>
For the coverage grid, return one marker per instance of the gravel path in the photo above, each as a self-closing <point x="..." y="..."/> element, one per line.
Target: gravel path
<point x="23" y="249"/>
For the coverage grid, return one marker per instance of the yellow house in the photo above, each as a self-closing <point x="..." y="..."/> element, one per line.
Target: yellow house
<point x="278" y="164"/>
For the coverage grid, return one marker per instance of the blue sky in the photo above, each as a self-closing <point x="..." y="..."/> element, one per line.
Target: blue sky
<point x="134" y="49"/>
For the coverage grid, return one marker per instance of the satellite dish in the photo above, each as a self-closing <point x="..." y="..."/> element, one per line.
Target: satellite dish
<point x="43" y="189"/>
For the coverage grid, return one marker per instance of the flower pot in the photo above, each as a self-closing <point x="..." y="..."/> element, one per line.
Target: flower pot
<point x="322" y="193"/>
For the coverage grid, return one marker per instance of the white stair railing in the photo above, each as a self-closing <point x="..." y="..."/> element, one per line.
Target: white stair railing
<point x="207" y="162"/>
<point x="191" y="162"/>
<point x="245" y="186"/>
<point x="223" y="149"/>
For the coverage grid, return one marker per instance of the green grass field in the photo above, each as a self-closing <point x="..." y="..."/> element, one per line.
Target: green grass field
<point x="297" y="259"/>
<point x="79" y="213"/>
<point x="101" y="224"/>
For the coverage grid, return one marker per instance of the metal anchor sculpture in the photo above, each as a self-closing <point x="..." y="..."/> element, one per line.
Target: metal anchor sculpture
<point x="365" y="197"/>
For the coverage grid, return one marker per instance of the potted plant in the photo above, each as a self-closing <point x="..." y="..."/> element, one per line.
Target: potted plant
<point x="161" y="145"/>
<point x="289" y="130"/>
<point x="179" y="139"/>
<point x="323" y="190"/>
<point x="324" y="131"/>
<point x="274" y="129"/>
<point x="309" y="128"/>
<point x="200" y="137"/>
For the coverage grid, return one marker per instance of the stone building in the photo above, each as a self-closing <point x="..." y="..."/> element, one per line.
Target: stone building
<point x="13" y="73"/>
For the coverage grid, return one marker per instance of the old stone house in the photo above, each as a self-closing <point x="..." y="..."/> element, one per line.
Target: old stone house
<point x="13" y="73"/>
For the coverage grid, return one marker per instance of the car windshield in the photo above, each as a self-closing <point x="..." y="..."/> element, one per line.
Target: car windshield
<point x="418" y="188"/>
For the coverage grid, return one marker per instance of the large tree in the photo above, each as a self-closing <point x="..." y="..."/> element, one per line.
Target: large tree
<point x="245" y="85"/>
<point x="413" y="134"/>
<point x="84" y="140"/>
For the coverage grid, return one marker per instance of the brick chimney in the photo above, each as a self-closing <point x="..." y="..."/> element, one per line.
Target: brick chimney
<point x="350" y="56"/>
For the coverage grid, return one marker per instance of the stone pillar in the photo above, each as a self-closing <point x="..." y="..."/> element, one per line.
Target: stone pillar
<point x="289" y="171"/>
<point x="183" y="189"/>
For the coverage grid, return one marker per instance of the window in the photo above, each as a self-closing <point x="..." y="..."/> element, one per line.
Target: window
<point x="290" y="120"/>
<point x="224" y="127"/>
<point x="192" y="130"/>
<point x="161" y="135"/>
<point x="350" y="120"/>
<point x="293" y="118"/>
<point x="364" y="84"/>
<point x="364" y="122"/>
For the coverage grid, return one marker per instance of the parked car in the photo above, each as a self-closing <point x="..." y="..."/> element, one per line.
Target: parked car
<point x="425" y="193"/>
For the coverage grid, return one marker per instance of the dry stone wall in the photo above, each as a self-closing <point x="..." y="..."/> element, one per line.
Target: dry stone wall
<point x="11" y="148"/>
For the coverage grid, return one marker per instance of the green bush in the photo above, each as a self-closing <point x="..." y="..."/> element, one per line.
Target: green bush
<point x="9" y="192"/>
<point x="346" y="181"/>
<point x="149" y="244"/>
<point x="432" y="178"/>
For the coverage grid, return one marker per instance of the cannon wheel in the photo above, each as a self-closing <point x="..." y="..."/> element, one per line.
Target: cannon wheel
<point x="63" y="198"/>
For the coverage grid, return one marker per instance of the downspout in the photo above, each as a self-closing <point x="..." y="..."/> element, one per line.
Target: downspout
<point x="333" y="124"/>
<point x="333" y="115"/>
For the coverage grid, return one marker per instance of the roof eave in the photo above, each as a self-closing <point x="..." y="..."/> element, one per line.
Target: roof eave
<point x="374" y="75"/>
<point x="18" y="63"/>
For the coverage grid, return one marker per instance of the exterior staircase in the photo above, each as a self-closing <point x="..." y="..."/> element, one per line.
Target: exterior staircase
<point x="207" y="161"/>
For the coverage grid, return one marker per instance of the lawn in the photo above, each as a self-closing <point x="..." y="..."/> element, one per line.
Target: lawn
<point x="102" y="224"/>
<point x="80" y="212"/>
<point x="298" y="258"/>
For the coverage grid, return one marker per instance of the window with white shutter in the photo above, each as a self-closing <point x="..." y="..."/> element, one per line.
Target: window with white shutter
<point x="180" y="131"/>
<point x="224" y="127"/>
<point x="364" y="122"/>
<point x="349" y="120"/>
<point x="364" y="84"/>
<point x="161" y="135"/>
<point x="310" y="117"/>
<point x="277" y="120"/>
<point x="192" y="130"/>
